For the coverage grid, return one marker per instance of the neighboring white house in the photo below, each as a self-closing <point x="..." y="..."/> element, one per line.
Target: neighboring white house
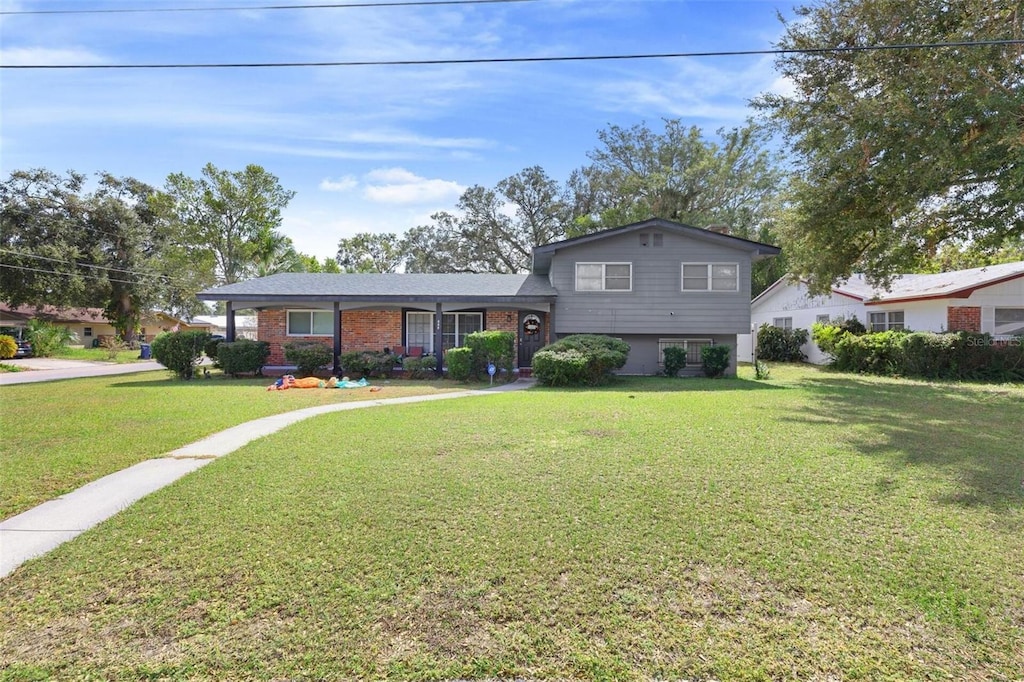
<point x="988" y="299"/>
<point x="245" y="325"/>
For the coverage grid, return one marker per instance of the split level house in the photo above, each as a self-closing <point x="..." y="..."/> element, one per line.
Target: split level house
<point x="652" y="284"/>
<point x="988" y="300"/>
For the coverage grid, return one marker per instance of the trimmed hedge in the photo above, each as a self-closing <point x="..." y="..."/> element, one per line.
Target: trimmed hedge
<point x="714" y="360"/>
<point x="180" y="352"/>
<point x="952" y="355"/>
<point x="420" y="368"/>
<point x="369" y="363"/>
<point x="244" y="356"/>
<point x="781" y="345"/>
<point x="460" y="363"/>
<point x="675" y="360"/>
<point x="210" y="348"/>
<point x="579" y="360"/>
<point x="309" y="357"/>
<point x="492" y="346"/>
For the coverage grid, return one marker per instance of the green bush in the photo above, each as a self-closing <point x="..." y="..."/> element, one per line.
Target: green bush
<point x="368" y="363"/>
<point x="459" y="362"/>
<point x="826" y="336"/>
<point x="180" y="351"/>
<point x="560" y="362"/>
<point x="241" y="357"/>
<point x="420" y="368"/>
<point x="761" y="370"/>
<point x="781" y="345"/>
<point x="496" y="347"/>
<point x="309" y="357"/>
<point x="561" y="367"/>
<point x="8" y="347"/>
<point x="715" y="360"/>
<point x="675" y="360"/>
<point x="210" y="349"/>
<point x="954" y="355"/>
<point x="48" y="339"/>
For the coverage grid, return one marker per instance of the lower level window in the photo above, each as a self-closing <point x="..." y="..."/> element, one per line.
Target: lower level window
<point x="310" y="323"/>
<point x="693" y="349"/>
<point x="419" y="329"/>
<point x="1009" y="322"/>
<point x="880" y="322"/>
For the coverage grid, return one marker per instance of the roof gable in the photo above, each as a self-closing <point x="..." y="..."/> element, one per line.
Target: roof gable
<point x="542" y="255"/>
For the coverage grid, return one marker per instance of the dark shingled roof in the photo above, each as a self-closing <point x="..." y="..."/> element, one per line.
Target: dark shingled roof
<point x="293" y="286"/>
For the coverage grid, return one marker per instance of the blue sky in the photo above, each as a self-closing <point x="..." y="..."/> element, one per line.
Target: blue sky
<point x="369" y="148"/>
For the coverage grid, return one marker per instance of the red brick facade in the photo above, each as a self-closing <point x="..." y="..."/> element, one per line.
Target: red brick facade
<point x="363" y="330"/>
<point x="963" y="318"/>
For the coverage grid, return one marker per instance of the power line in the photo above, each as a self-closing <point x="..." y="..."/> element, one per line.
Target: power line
<point x="338" y="5"/>
<point x="521" y="60"/>
<point x="25" y="268"/>
<point x="126" y="271"/>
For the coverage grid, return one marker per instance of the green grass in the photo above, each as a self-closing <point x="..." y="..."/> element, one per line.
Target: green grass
<point x="5" y="367"/>
<point x="60" y="436"/>
<point x="98" y="355"/>
<point x="816" y="526"/>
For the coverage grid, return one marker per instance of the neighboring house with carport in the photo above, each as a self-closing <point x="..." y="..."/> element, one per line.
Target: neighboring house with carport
<point x="89" y="325"/>
<point x="653" y="284"/>
<point x="988" y="299"/>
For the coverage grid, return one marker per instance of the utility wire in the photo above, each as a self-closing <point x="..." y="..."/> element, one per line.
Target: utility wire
<point x="338" y="5"/>
<point x="25" y="268"/>
<point x="126" y="271"/>
<point x="520" y="60"/>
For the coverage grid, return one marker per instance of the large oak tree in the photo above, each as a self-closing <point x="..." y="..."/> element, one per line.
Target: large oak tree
<point x="900" y="150"/>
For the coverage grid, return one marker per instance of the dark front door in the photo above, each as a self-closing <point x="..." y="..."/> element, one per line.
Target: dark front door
<point x="531" y="336"/>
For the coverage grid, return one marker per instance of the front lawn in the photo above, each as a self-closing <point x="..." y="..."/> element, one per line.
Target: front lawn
<point x="60" y="436"/>
<point x="817" y="526"/>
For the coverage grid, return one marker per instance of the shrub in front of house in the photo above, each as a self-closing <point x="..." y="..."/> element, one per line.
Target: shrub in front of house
<point x="420" y="368"/>
<point x="952" y="355"/>
<point x="48" y="339"/>
<point x="675" y="360"/>
<point x="459" y="362"/>
<point x="368" y="363"/>
<point x="244" y="356"/>
<point x="714" y="360"/>
<point x="579" y="360"/>
<point x="8" y="347"/>
<point x="781" y="345"/>
<point x="309" y="357"/>
<point x="497" y="347"/>
<point x="826" y="336"/>
<point x="180" y="352"/>
<point x="210" y="349"/>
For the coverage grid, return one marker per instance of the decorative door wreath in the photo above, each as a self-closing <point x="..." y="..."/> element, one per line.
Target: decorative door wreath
<point x="531" y="325"/>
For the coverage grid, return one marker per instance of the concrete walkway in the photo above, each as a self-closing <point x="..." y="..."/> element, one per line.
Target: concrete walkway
<point x="52" y="523"/>
<point x="54" y="369"/>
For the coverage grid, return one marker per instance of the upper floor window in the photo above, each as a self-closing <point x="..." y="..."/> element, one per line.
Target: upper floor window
<point x="711" y="277"/>
<point x="880" y="322"/>
<point x="310" y="323"/>
<point x="604" y="277"/>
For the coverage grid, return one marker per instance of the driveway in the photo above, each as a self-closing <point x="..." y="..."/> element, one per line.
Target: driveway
<point x="54" y="369"/>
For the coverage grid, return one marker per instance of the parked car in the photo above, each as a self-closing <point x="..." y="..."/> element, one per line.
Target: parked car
<point x="24" y="349"/>
<point x="18" y="334"/>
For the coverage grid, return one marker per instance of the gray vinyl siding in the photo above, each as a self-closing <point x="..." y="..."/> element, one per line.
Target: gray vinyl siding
<point x="656" y="304"/>
<point x="643" y="353"/>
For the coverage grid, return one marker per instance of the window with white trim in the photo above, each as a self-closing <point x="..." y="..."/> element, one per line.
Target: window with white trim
<point x="87" y="331"/>
<point x="880" y="322"/>
<point x="310" y="323"/>
<point x="604" y="277"/>
<point x="693" y="348"/>
<point x="711" y="277"/>
<point x="821" y="319"/>
<point x="419" y="329"/>
<point x="1009" y="322"/>
<point x="782" y="322"/>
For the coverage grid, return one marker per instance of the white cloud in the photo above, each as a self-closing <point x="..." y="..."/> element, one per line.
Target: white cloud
<point x="400" y="186"/>
<point x="27" y="56"/>
<point x="342" y="184"/>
